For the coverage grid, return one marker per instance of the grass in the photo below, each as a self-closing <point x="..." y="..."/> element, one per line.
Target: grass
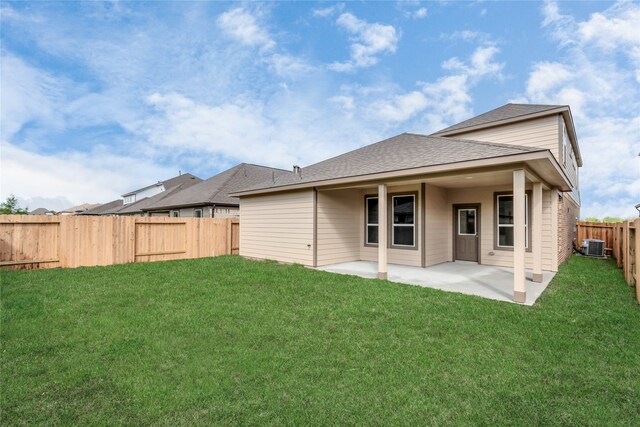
<point x="230" y="341"/>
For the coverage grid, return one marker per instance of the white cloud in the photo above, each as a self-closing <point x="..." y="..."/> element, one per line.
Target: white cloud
<point x="328" y="11"/>
<point x="28" y="94"/>
<point x="368" y="41"/>
<point x="604" y="98"/>
<point x="242" y="26"/>
<point x="420" y="13"/>
<point x="401" y="107"/>
<point x="97" y="176"/>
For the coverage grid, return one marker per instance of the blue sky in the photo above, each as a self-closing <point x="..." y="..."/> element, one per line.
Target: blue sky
<point x="98" y="98"/>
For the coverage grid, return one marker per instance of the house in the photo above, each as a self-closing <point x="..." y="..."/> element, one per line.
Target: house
<point x="138" y="208"/>
<point x="76" y="210"/>
<point x="210" y="198"/>
<point x="158" y="187"/>
<point x="499" y="189"/>
<point x="41" y="211"/>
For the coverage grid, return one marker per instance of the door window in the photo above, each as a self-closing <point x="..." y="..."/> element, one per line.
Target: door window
<point x="467" y="222"/>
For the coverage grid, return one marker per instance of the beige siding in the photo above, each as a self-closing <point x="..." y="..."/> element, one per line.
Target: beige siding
<point x="338" y="226"/>
<point x="538" y="133"/>
<point x="278" y="227"/>
<point x="437" y="231"/>
<point x="504" y="258"/>
<point x="395" y="255"/>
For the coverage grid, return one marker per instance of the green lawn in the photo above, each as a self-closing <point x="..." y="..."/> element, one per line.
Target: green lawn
<point x="230" y="341"/>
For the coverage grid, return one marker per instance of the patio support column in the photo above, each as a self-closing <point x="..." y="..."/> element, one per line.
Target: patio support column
<point x="382" y="231"/>
<point x="536" y="231"/>
<point x="519" y="289"/>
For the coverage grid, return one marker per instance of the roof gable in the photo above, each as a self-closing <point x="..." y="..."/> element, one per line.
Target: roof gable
<point x="506" y="112"/>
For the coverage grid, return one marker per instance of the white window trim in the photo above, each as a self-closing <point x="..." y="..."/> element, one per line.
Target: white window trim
<point x="526" y="221"/>
<point x="475" y="225"/>
<point x="393" y="235"/>
<point x="565" y="144"/>
<point x="175" y="212"/>
<point x="366" y="221"/>
<point x="197" y="210"/>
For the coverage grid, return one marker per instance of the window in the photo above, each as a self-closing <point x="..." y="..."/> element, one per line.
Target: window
<point x="565" y="146"/>
<point x="129" y="199"/>
<point x="197" y="213"/>
<point x="504" y="212"/>
<point x="403" y="231"/>
<point x="371" y="220"/>
<point x="466" y="222"/>
<point x="175" y="214"/>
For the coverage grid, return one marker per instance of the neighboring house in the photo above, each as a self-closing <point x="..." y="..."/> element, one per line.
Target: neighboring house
<point x="153" y="189"/>
<point x="76" y="210"/>
<point x="41" y="211"/>
<point x="210" y="198"/>
<point x="108" y="208"/>
<point x="138" y="208"/>
<point x="498" y="189"/>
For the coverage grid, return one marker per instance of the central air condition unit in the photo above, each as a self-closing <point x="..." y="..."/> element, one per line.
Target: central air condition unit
<point x="591" y="247"/>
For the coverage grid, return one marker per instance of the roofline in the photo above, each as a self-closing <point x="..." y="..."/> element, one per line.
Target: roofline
<point x="564" y="110"/>
<point x="443" y="167"/>
<point x="187" y="205"/>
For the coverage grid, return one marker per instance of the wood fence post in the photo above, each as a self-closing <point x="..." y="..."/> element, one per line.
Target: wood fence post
<point x="636" y="271"/>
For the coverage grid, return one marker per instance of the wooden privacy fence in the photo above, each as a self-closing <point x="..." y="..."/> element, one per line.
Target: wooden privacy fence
<point x="622" y="241"/>
<point x="40" y="241"/>
<point x="596" y="230"/>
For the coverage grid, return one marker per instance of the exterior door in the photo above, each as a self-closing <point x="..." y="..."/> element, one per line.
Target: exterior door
<point x="466" y="232"/>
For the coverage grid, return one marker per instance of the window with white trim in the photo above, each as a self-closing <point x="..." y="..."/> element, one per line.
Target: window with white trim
<point x="504" y="221"/>
<point x="371" y="220"/>
<point x="197" y="213"/>
<point x="566" y="146"/>
<point x="404" y="223"/>
<point x="175" y="214"/>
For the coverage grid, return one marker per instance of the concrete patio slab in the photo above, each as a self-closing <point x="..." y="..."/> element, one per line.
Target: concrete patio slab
<point x="464" y="277"/>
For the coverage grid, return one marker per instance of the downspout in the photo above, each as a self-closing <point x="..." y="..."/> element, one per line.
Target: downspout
<point x="314" y="246"/>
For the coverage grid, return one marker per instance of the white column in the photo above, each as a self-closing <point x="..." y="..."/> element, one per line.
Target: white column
<point x="382" y="231"/>
<point x="536" y="231"/>
<point x="519" y="289"/>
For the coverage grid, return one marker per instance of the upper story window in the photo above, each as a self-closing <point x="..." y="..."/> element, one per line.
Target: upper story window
<point x="129" y="199"/>
<point x="566" y="145"/>
<point x="175" y="214"/>
<point x="197" y="213"/>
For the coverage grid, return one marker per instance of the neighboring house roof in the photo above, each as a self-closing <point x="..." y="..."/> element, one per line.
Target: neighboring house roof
<point x="105" y="209"/>
<point x="140" y="205"/>
<point x="405" y="151"/>
<point x="40" y="211"/>
<point x="80" y="208"/>
<point x="216" y="189"/>
<point x="168" y="183"/>
<point x="506" y="112"/>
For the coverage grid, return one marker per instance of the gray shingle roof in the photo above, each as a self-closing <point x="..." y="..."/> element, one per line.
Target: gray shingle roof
<point x="505" y="112"/>
<point x="40" y="211"/>
<point x="105" y="209"/>
<point x="216" y="189"/>
<point x="405" y="151"/>
<point x="168" y="183"/>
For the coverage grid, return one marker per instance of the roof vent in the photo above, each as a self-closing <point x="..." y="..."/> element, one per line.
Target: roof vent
<point x="297" y="170"/>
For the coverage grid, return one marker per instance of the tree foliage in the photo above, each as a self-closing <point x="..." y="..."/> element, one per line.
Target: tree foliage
<point x="11" y="207"/>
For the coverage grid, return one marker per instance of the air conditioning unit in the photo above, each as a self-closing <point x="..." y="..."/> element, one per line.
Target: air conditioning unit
<point x="592" y="247"/>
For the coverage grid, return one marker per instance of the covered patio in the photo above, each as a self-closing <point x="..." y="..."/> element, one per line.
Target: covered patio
<point x="469" y="278"/>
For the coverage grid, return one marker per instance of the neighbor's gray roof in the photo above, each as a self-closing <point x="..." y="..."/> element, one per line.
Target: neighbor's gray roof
<point x="39" y="211"/>
<point x="142" y="204"/>
<point x="168" y="183"/>
<point x="505" y="112"/>
<point x="216" y="189"/>
<point x="105" y="209"/>
<point x="405" y="151"/>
